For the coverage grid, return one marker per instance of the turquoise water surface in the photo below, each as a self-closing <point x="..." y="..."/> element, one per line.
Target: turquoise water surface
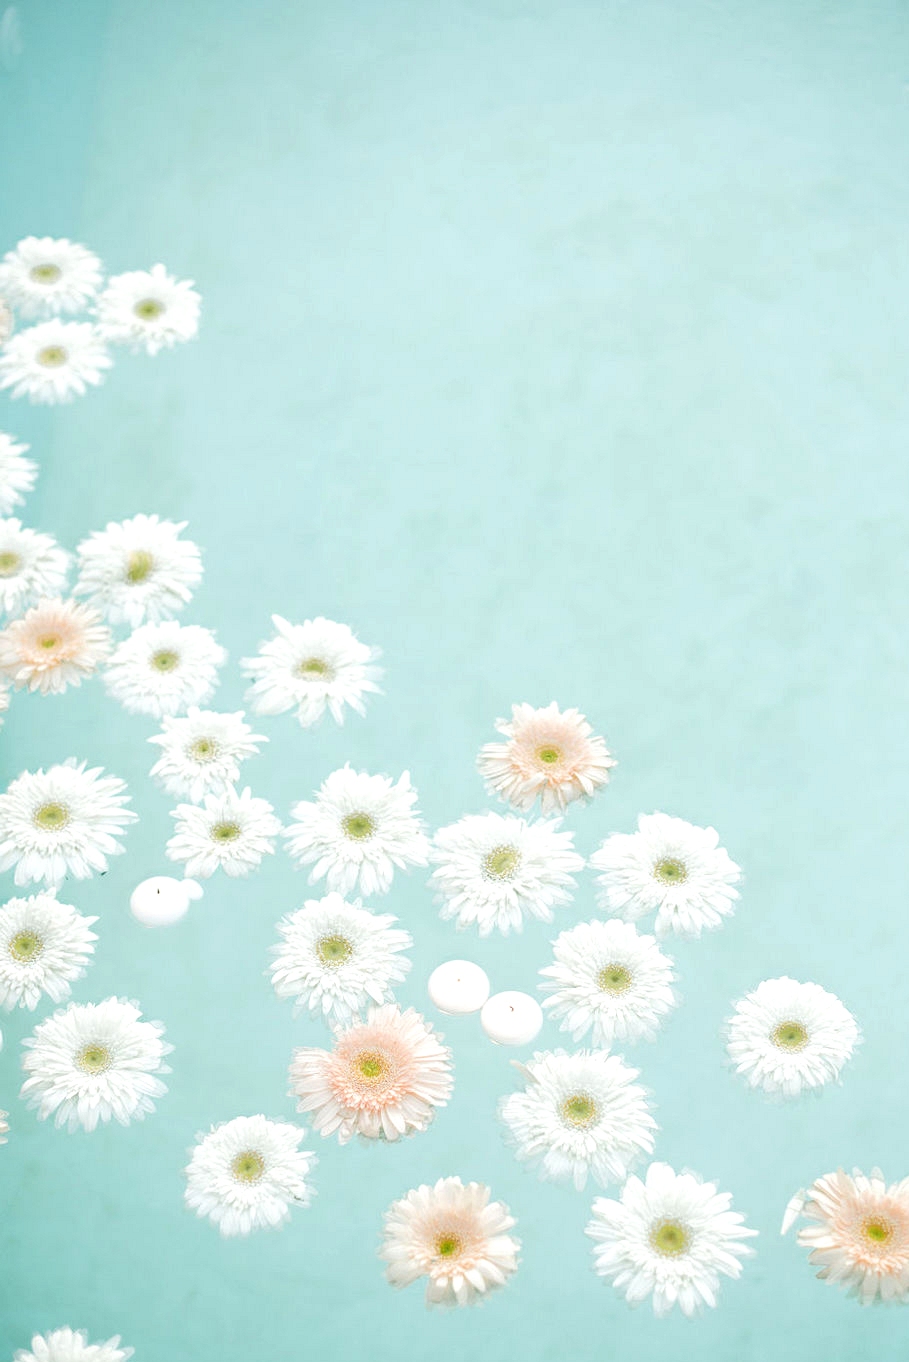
<point x="560" y="348"/>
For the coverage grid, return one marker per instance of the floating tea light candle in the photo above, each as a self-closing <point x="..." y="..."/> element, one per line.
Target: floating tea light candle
<point x="161" y="901"/>
<point x="458" y="987"/>
<point x="512" y="1018"/>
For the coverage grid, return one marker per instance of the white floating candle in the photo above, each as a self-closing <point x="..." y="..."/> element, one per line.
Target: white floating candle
<point x="512" y="1018"/>
<point x="161" y="901"/>
<point x="458" y="987"/>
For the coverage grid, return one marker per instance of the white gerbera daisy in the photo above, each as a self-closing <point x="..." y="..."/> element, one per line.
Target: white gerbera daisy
<point x="17" y="474"/>
<point x="43" y="276"/>
<point x="314" y="665"/>
<point x="44" y="946"/>
<point x="201" y="753"/>
<point x="53" y="361"/>
<point x="384" y="1078"/>
<point x="337" y="957"/>
<point x="229" y="831"/>
<point x="358" y="828"/>
<point x="492" y="870"/>
<point x="550" y="754"/>
<point x="138" y="570"/>
<point x="163" y="668"/>
<point x="65" y="1345"/>
<point x="148" y="310"/>
<point x="610" y="981"/>
<point x="56" y="644"/>
<point x="32" y="565"/>
<point x="671" y="867"/>
<point x="668" y="1237"/>
<point x="786" y="1037"/>
<point x="579" y="1114"/>
<point x="65" y="820"/>
<point x="247" y="1174"/>
<point x="453" y="1235"/>
<point x="94" y="1061"/>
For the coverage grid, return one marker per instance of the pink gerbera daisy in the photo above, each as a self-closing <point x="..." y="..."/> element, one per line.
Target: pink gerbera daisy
<point x="383" y="1079"/>
<point x="859" y="1235"/>
<point x="550" y="753"/>
<point x="53" y="646"/>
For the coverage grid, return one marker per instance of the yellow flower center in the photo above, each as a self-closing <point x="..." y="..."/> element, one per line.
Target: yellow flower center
<point x="501" y="863"/>
<point x="670" y="1238"/>
<point x="225" y="832"/>
<point x="247" y="1166"/>
<point x="52" y="356"/>
<point x="371" y="1066"/>
<point x="549" y="755"/>
<point x="48" y="642"/>
<point x="579" y="1110"/>
<point x="147" y="309"/>
<point x="45" y="274"/>
<point x="9" y="563"/>
<point x="614" y="979"/>
<point x="315" y="669"/>
<point x="165" y="661"/>
<point x="139" y="567"/>
<point x="790" y="1035"/>
<point x="51" y="817"/>
<point x="94" y="1059"/>
<point x="334" y="950"/>
<point x="670" y="870"/>
<point x="359" y="826"/>
<point x="448" y="1244"/>
<point x="878" y="1231"/>
<point x="203" y="749"/>
<point x="26" y="946"/>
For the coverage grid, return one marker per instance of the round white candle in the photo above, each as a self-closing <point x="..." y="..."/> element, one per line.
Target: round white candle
<point x="512" y="1018"/>
<point x="161" y="901"/>
<point x="458" y="987"/>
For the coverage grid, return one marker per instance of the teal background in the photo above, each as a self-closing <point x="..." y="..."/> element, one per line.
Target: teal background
<point x="560" y="349"/>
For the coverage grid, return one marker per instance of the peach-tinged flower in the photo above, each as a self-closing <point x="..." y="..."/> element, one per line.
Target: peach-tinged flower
<point x="859" y="1233"/>
<point x="53" y="646"/>
<point x="383" y="1079"/>
<point x="550" y="753"/>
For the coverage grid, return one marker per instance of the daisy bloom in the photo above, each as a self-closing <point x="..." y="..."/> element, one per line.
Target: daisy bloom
<point x="63" y="821"/>
<point x="94" y="1061"/>
<point x="858" y="1235"/>
<point x="17" y="474"/>
<point x="787" y="1037"/>
<point x="550" y="754"/>
<point x="138" y="570"/>
<point x="579" y="1114"/>
<point x="43" y="277"/>
<point x="53" y="361"/>
<point x="163" y="668"/>
<point x="669" y="867"/>
<point x="668" y="1237"/>
<point x="32" y="565"/>
<point x="383" y="1079"/>
<point x="336" y="958"/>
<point x="53" y="646"/>
<point x="493" y="870"/>
<point x="609" y="981"/>
<point x="247" y="1174"/>
<point x="453" y="1235"/>
<point x="358" y="828"/>
<point x="65" y="1345"/>
<point x="201" y="753"/>
<point x="148" y="310"/>
<point x="44" y="946"/>
<point x="230" y="831"/>
<point x="313" y="666"/>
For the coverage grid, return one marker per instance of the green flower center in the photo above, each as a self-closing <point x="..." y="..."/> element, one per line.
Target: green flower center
<point x="26" y="946"/>
<point x="247" y="1166"/>
<point x="139" y="566"/>
<point x="94" y="1059"/>
<point x="225" y="832"/>
<point x="148" y="309"/>
<point x="549" y="755"/>
<point x="359" y="826"/>
<point x="51" y="817"/>
<point x="48" y="642"/>
<point x="45" y="274"/>
<point x="52" y="356"/>
<point x="614" y="979"/>
<point x="878" y="1231"/>
<point x="9" y="563"/>
<point x="670" y="1238"/>
<point x="448" y="1245"/>
<point x="334" y="950"/>
<point x="790" y="1035"/>
<point x="203" y="749"/>
<point x="371" y="1066"/>
<point x="670" y="871"/>
<point x="501" y="863"/>
<point x="315" y="669"/>
<point x="165" y="661"/>
<point x="579" y="1110"/>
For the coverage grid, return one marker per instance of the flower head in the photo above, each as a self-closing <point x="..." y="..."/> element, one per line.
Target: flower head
<point x="786" y="1037"/>
<point x="17" y="474"/>
<point x="32" y="565"/>
<point x="493" y="869"/>
<point x="94" y="1061"/>
<point x="383" y="1079"/>
<point x="358" y="828"/>
<point x="44" y="946"/>
<point x="139" y="570"/>
<point x="550" y="754"/>
<point x="231" y="831"/>
<point x="53" y="646"/>
<point x="610" y="981"/>
<point x="148" y="310"/>
<point x="453" y="1235"/>
<point x="43" y="276"/>
<point x="163" y="668"/>
<point x="66" y="820"/>
<point x="53" y="361"/>
<point x="65" y="1345"/>
<point x="313" y="666"/>
<point x="247" y="1174"/>
<point x="201" y="752"/>
<point x="671" y="867"/>
<point x="669" y="1237"/>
